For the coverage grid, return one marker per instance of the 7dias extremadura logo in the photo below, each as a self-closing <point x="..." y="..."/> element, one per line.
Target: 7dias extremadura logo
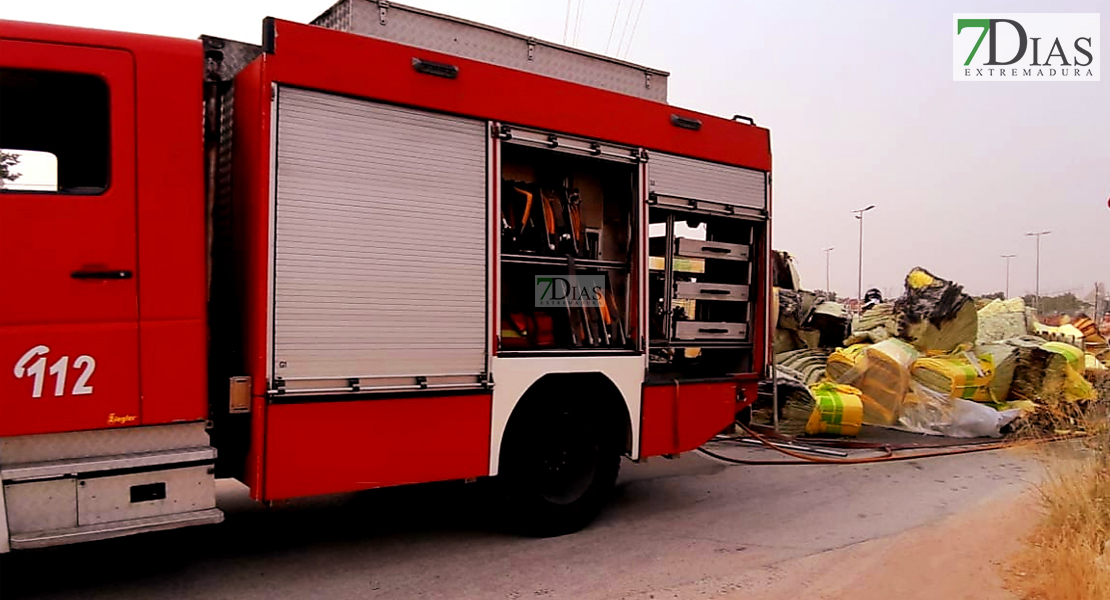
<point x="1025" y="47"/>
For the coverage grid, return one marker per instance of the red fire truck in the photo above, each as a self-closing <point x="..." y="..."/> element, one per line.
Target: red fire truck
<point x="385" y="248"/>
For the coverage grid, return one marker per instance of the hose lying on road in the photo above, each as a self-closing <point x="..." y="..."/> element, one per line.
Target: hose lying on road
<point x="887" y="456"/>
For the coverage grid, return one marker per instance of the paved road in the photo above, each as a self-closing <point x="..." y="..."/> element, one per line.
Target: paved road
<point x="689" y="528"/>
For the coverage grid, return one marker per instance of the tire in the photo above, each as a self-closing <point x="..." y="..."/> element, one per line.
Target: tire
<point x="559" y="468"/>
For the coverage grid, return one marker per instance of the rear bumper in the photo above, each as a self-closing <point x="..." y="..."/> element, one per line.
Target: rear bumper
<point x="87" y="533"/>
<point x="67" y="488"/>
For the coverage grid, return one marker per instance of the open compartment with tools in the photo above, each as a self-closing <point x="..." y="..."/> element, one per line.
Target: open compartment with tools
<point x="567" y="240"/>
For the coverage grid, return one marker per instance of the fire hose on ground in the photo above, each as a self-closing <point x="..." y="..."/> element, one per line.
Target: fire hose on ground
<point x="888" y="451"/>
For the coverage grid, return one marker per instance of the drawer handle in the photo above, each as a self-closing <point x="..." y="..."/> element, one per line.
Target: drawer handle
<point x="712" y="331"/>
<point x="717" y="292"/>
<point x="716" y="250"/>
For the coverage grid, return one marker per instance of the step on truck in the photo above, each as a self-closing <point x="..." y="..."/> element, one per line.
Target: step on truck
<point x="384" y="248"/>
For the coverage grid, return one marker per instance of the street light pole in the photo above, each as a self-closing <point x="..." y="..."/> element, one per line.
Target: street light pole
<point x="859" y="286"/>
<point x="1038" y="234"/>
<point x="828" y="286"/>
<point x="1008" y="257"/>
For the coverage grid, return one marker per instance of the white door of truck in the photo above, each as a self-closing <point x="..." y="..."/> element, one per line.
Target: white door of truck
<point x="380" y="246"/>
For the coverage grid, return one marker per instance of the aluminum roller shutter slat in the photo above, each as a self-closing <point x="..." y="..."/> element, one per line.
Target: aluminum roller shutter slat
<point x="380" y="264"/>
<point x="689" y="178"/>
<point x="399" y="162"/>
<point x="321" y="209"/>
<point x="340" y="254"/>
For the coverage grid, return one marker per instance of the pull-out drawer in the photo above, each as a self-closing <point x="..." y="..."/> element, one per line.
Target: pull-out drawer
<point x="707" y="330"/>
<point x="702" y="249"/>
<point x="710" y="291"/>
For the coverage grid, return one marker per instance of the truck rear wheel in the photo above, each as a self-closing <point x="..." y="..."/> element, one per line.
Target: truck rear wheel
<point x="560" y="467"/>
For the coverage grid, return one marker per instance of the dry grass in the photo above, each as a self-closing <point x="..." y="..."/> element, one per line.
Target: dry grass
<point x="1068" y="555"/>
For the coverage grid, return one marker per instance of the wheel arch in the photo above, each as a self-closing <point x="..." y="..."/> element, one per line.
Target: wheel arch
<point x="592" y="391"/>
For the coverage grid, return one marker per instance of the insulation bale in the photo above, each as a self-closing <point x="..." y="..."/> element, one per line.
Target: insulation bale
<point x="831" y="320"/>
<point x="1073" y="355"/>
<point x="1004" y="357"/>
<point x="837" y="410"/>
<point x="881" y="373"/>
<point x="1048" y="373"/>
<point x="811" y="338"/>
<point x="796" y="402"/>
<point x="935" y="314"/>
<point x="809" y="364"/>
<point x="875" y="325"/>
<point x="842" y="360"/>
<point x="960" y="374"/>
<point x="1001" y="319"/>
<point x="795" y="308"/>
<point x="786" y="341"/>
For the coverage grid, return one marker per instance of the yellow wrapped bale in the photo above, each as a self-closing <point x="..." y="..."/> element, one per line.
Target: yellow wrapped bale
<point x="1051" y="373"/>
<point x="842" y="360"/>
<point x="839" y="410"/>
<point x="882" y="374"/>
<point x="960" y="374"/>
<point x="1073" y="355"/>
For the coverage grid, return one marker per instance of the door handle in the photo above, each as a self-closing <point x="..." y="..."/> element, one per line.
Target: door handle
<point x="111" y="274"/>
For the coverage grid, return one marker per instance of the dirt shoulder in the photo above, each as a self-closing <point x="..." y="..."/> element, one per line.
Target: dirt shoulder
<point x="960" y="557"/>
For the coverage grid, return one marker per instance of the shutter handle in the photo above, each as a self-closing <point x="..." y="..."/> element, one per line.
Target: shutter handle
<point x="112" y="274"/>
<point x="428" y="67"/>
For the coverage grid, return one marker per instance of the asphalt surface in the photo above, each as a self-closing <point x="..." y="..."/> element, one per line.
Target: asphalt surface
<point x="688" y="528"/>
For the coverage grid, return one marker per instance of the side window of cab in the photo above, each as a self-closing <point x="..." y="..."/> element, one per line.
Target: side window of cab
<point x="54" y="132"/>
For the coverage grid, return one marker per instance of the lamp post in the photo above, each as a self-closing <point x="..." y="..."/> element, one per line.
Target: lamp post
<point x="859" y="286"/>
<point x="828" y="287"/>
<point x="1038" y="234"/>
<point x="1008" y="257"/>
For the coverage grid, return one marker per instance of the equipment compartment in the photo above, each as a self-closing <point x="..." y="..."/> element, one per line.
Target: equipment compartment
<point x="567" y="215"/>
<point x="702" y="312"/>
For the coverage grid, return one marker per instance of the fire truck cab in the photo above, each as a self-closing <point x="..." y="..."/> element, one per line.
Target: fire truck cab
<point x="388" y="247"/>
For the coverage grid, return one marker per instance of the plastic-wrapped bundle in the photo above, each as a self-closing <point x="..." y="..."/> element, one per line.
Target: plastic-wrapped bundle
<point x="882" y="375"/>
<point x="842" y="360"/>
<point x="960" y="374"/>
<point x="1004" y="357"/>
<point x="933" y="413"/>
<point x="838" y="410"/>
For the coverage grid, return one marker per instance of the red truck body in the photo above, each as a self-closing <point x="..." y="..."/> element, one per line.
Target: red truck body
<point x="125" y="308"/>
<point x="147" y="334"/>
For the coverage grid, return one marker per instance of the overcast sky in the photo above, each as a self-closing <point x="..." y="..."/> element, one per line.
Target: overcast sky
<point x="862" y="110"/>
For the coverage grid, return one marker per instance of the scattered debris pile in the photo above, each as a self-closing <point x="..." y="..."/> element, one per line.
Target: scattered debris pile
<point x="933" y="362"/>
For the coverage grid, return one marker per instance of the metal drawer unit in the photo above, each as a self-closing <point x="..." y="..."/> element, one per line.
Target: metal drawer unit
<point x="711" y="291"/>
<point x="691" y="248"/>
<point x="706" y="330"/>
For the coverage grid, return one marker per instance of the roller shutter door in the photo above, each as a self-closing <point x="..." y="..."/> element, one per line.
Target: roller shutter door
<point x="692" y="179"/>
<point x="380" y="234"/>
